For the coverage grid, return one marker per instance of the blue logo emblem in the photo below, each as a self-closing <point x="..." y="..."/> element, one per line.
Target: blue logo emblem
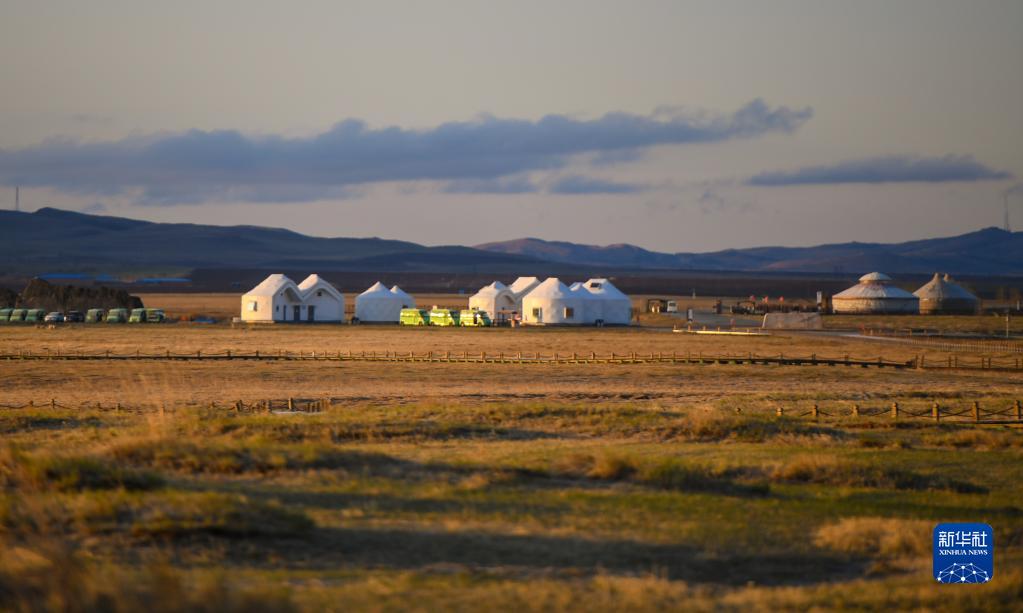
<point x="964" y="553"/>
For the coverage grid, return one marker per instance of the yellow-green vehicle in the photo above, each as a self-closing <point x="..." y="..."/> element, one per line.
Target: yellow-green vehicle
<point x="443" y="317"/>
<point x="474" y="317"/>
<point x="94" y="316"/>
<point x="414" y="317"/>
<point x="17" y="315"/>
<point x="138" y="316"/>
<point x="5" y="314"/>
<point x="35" y="315"/>
<point x="117" y="316"/>
<point x="155" y="316"/>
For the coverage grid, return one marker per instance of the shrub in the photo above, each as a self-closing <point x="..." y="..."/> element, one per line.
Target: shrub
<point x="828" y="470"/>
<point x="69" y="473"/>
<point x="877" y="537"/>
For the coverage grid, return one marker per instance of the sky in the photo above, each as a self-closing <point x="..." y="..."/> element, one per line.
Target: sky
<point x="676" y="125"/>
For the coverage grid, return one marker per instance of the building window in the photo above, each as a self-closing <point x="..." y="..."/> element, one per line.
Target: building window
<point x="277" y="308"/>
<point x="536" y="313"/>
<point x="253" y="306"/>
<point x="319" y="293"/>
<point x="569" y="312"/>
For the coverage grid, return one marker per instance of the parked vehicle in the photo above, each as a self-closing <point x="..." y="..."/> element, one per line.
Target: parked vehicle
<point x="474" y="317"/>
<point x="94" y="316"/>
<point x="117" y="316"/>
<point x="138" y="316"/>
<point x="74" y="317"/>
<point x="155" y="316"/>
<point x="443" y="317"/>
<point x="35" y="315"/>
<point x="54" y="317"/>
<point x="17" y="315"/>
<point x="5" y="315"/>
<point x="414" y="317"/>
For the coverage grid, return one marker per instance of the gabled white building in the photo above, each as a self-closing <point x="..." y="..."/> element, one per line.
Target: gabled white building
<point x="616" y="307"/>
<point x="277" y="298"/>
<point x="592" y="310"/>
<point x="407" y="301"/>
<point x="378" y="305"/>
<point x="551" y="303"/>
<point x="321" y="301"/>
<point x="496" y="299"/>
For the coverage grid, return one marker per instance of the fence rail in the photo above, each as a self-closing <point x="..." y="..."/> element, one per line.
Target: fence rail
<point x="1010" y="413"/>
<point x="474" y="358"/>
<point x="946" y="344"/>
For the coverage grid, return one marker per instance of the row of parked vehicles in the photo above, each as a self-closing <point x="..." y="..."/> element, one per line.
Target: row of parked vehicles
<point x="444" y="317"/>
<point x="92" y="316"/>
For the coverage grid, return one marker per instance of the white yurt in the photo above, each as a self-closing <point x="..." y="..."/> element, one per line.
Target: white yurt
<point x="592" y="310"/>
<point x="496" y="299"/>
<point x="322" y="301"/>
<point x="617" y="307"/>
<point x="407" y="301"/>
<point x="277" y="298"/>
<point x="551" y="303"/>
<point x="378" y="305"/>
<point x="943" y="296"/>
<point x="875" y="294"/>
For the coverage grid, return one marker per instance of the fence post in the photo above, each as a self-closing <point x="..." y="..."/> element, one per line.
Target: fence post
<point x="895" y="410"/>
<point x="291" y="404"/>
<point x="936" y="412"/>
<point x="976" y="410"/>
<point x="1019" y="411"/>
<point x="53" y="403"/>
<point x="780" y="411"/>
<point x="815" y="412"/>
<point x="856" y="410"/>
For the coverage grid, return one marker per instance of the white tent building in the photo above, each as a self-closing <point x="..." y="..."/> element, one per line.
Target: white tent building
<point x="523" y="285"/>
<point x="378" y="305"/>
<point x="551" y="303"/>
<point x="407" y="301"/>
<point x="277" y="298"/>
<point x="496" y="299"/>
<point x="875" y="294"/>
<point x="592" y="310"/>
<point x="617" y="307"/>
<point x="321" y="301"/>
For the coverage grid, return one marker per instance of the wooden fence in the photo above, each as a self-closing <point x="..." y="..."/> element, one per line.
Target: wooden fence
<point x="1011" y="413"/>
<point x="949" y="345"/>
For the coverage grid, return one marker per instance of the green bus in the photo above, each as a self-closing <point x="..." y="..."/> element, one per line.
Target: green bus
<point x="474" y="318"/>
<point x="443" y="317"/>
<point x="414" y="317"/>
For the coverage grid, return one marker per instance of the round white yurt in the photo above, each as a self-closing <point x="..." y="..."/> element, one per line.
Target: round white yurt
<point x="378" y="305"/>
<point x="551" y="303"/>
<point x="592" y="310"/>
<point x="407" y="301"/>
<point x="496" y="299"/>
<point x="941" y="296"/>
<point x="875" y="294"/>
<point x="617" y="307"/>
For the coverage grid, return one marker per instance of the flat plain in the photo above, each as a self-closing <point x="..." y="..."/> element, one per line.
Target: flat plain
<point x="533" y="486"/>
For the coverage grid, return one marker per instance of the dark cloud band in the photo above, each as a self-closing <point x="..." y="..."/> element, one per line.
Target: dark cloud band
<point x="890" y="169"/>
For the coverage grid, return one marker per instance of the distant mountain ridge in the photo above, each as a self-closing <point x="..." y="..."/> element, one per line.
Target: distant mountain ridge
<point x="53" y="240"/>
<point x="990" y="251"/>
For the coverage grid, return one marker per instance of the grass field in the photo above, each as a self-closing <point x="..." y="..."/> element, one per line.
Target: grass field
<point x="451" y="486"/>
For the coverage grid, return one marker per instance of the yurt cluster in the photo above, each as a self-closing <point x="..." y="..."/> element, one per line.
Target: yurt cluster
<point x="877" y="294"/>
<point x="529" y="301"/>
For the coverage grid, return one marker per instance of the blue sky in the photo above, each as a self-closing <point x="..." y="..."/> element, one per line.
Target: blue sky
<point x="679" y="126"/>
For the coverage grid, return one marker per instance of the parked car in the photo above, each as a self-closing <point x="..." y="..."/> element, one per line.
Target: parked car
<point x="54" y="317"/>
<point x="74" y="317"/>
<point x="94" y="316"/>
<point x="117" y="316"/>
<point x="5" y="315"/>
<point x="35" y="315"/>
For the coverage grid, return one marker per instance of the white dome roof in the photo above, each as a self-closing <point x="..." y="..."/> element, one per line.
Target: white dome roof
<point x="875" y="277"/>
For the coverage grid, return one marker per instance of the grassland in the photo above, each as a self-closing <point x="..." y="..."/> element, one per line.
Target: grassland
<point x="430" y="486"/>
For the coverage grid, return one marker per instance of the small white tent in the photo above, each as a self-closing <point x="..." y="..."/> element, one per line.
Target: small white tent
<point x="378" y="305"/>
<point x="551" y="303"/>
<point x="407" y="301"/>
<point x="277" y="298"/>
<point x="592" y="310"/>
<point x="617" y="307"/>
<point x="496" y="299"/>
<point x="522" y="286"/>
<point x="322" y="301"/>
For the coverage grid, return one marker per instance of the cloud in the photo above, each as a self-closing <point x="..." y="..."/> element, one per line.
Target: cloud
<point x="199" y="166"/>
<point x="505" y="185"/>
<point x="889" y="169"/>
<point x="579" y="185"/>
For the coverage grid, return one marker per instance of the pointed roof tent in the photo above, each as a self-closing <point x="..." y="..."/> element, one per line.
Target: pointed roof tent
<point x="407" y="300"/>
<point x="592" y="306"/>
<point x="941" y="295"/>
<point x="606" y="289"/>
<point x="378" y="304"/>
<point x="377" y="288"/>
<point x="617" y="307"/>
<point x="552" y="287"/>
<point x="494" y="299"/>
<point x="523" y="285"/>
